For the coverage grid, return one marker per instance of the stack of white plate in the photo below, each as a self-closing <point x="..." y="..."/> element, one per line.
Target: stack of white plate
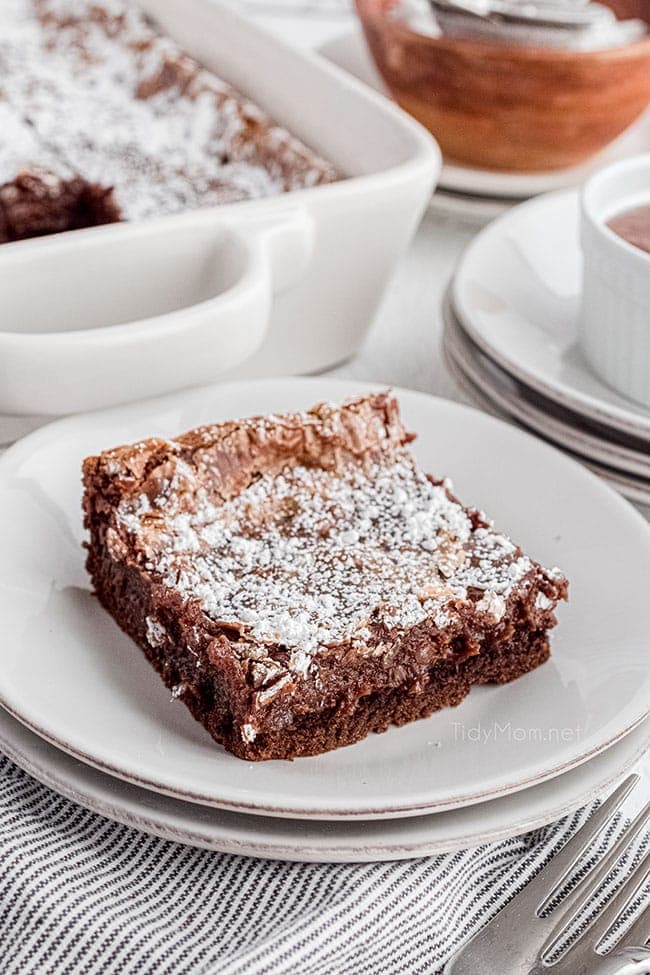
<point x="510" y="339"/>
<point x="85" y="713"/>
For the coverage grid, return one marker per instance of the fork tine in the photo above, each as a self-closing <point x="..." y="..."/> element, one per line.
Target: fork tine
<point x="561" y="865"/>
<point x="516" y="933"/>
<point x="615" y="908"/>
<point x="639" y="931"/>
<point x="619" y="903"/>
<point x="576" y="900"/>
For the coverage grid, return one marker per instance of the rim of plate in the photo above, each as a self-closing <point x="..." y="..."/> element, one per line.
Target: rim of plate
<point x="486" y="397"/>
<point x="340" y="808"/>
<point x="626" y="485"/>
<point x="314" y="841"/>
<point x="561" y="432"/>
<point x="615" y="415"/>
<point x="617" y="482"/>
<point x="473" y="210"/>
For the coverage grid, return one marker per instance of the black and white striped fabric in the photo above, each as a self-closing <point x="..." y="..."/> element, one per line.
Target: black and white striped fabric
<point x="80" y="894"/>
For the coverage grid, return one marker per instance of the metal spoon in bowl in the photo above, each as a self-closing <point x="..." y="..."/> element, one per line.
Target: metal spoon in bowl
<point x="551" y="13"/>
<point x="581" y="25"/>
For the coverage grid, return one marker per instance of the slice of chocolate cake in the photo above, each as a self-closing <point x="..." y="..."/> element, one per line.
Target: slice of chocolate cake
<point x="298" y="582"/>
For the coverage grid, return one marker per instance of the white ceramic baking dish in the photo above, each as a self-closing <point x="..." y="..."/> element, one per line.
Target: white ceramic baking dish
<point x="287" y="285"/>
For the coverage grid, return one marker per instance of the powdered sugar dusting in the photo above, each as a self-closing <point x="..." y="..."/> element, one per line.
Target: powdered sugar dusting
<point x="156" y="633"/>
<point x="90" y="88"/>
<point x="493" y="604"/>
<point x="543" y="602"/>
<point x="312" y="558"/>
<point x="21" y="149"/>
<point x="248" y="733"/>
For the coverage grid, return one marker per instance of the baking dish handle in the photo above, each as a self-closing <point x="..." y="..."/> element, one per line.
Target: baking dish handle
<point x="231" y="327"/>
<point x="285" y="241"/>
<point x="132" y="315"/>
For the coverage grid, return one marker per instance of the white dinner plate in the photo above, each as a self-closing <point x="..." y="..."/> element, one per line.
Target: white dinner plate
<point x="517" y="293"/>
<point x="350" y="51"/>
<point x="70" y="674"/>
<point x="563" y="428"/>
<point x="310" y="840"/>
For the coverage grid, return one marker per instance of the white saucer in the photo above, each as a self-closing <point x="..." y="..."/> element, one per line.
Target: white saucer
<point x="283" y="839"/>
<point x="68" y="672"/>
<point x="516" y="293"/>
<point x="474" y="210"/>
<point x="349" y="51"/>
<point x="565" y="429"/>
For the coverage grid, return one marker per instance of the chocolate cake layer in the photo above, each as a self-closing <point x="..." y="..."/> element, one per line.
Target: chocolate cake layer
<point x="119" y="124"/>
<point x="298" y="582"/>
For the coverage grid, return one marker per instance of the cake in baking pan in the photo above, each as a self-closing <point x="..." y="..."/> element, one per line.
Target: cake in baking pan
<point x="104" y="119"/>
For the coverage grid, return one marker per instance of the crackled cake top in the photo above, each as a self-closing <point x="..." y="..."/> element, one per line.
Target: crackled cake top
<point x="306" y="556"/>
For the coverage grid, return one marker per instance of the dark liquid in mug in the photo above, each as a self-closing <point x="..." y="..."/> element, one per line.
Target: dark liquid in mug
<point x="633" y="226"/>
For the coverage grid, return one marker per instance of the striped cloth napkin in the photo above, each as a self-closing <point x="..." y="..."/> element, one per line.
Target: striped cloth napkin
<point x="80" y="895"/>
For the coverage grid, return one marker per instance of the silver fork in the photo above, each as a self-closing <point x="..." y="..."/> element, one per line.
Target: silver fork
<point x="518" y="939"/>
